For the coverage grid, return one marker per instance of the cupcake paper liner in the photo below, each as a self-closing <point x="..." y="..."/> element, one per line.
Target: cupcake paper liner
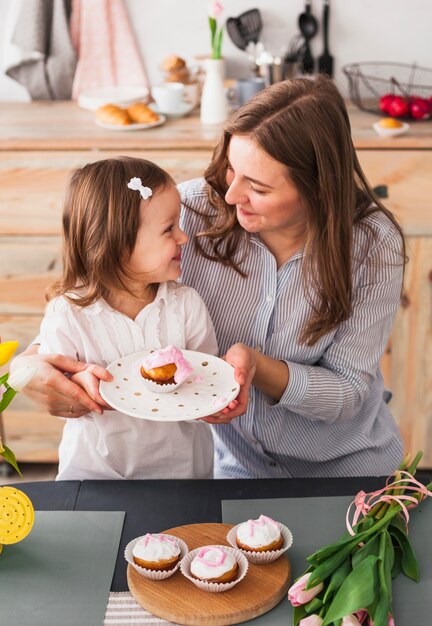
<point x="262" y="557"/>
<point x="150" y="573"/>
<point x="156" y="388"/>
<point x="214" y="587"/>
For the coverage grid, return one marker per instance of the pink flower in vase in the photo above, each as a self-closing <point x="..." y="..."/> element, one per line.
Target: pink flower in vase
<point x="215" y="9"/>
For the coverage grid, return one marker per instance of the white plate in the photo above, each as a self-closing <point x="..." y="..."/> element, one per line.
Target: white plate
<point x="390" y="132"/>
<point x="193" y="399"/>
<point x="95" y="98"/>
<point x="160" y="121"/>
<point x="185" y="108"/>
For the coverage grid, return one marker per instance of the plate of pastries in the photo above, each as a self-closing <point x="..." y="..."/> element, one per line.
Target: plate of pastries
<point x="137" y="116"/>
<point x="169" y="384"/>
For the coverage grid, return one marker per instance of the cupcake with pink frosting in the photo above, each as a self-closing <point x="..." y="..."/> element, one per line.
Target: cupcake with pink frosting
<point x="164" y="370"/>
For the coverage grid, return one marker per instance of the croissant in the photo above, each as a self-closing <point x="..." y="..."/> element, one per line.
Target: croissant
<point x="113" y="114"/>
<point x="140" y="113"/>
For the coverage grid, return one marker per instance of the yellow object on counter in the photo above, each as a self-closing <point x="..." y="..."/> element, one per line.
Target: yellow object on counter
<point x="390" y="122"/>
<point x="16" y="515"/>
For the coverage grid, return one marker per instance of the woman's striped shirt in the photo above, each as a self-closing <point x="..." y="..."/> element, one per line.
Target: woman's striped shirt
<point x="332" y="419"/>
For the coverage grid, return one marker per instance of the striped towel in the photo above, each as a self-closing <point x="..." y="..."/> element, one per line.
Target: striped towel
<point x="123" y="610"/>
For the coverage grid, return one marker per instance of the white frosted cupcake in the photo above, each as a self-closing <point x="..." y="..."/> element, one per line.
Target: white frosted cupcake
<point x="214" y="568"/>
<point x="164" y="370"/>
<point x="259" y="535"/>
<point x="214" y="565"/>
<point x="156" y="552"/>
<point x="261" y="540"/>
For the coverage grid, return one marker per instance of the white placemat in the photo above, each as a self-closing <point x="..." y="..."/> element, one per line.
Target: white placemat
<point x="123" y="610"/>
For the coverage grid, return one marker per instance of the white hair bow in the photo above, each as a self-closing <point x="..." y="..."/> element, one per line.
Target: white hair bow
<point x="136" y="185"/>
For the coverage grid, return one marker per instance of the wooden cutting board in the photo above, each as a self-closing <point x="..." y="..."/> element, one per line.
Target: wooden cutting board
<point x="178" y="600"/>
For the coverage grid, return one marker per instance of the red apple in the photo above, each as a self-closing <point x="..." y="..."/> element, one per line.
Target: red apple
<point x="385" y="102"/>
<point x="399" y="107"/>
<point x="419" y="108"/>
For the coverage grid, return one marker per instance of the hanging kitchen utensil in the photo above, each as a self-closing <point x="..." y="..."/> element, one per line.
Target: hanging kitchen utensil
<point x="325" y="61"/>
<point x="245" y="28"/>
<point x="235" y="32"/>
<point x="251" y="25"/>
<point x="308" y="28"/>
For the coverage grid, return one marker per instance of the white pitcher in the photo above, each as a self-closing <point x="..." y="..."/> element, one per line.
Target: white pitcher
<point x="214" y="108"/>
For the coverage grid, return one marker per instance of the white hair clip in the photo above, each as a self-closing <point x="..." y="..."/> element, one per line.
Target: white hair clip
<point x="136" y="185"/>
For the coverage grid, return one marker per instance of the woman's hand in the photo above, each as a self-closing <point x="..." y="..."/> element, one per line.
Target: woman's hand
<point x="54" y="391"/>
<point x="243" y="360"/>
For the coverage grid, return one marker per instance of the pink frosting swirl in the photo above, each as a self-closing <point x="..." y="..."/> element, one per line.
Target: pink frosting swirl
<point x="167" y="355"/>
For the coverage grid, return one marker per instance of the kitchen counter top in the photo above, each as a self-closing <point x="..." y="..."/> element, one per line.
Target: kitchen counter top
<point x="46" y="125"/>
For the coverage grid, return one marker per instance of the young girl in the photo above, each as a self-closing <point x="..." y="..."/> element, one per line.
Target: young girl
<point x="117" y="295"/>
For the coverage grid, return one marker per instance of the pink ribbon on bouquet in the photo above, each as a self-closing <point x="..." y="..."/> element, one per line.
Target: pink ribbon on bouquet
<point x="365" y="501"/>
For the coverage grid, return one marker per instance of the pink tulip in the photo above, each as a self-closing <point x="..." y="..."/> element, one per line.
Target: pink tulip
<point x="350" y="620"/>
<point x="215" y="9"/>
<point x="298" y="594"/>
<point x="312" y="620"/>
<point x="361" y="615"/>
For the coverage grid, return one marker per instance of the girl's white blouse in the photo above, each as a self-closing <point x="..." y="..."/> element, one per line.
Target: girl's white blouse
<point x="114" y="445"/>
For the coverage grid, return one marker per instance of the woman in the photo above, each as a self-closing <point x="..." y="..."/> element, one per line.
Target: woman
<point x="301" y="268"/>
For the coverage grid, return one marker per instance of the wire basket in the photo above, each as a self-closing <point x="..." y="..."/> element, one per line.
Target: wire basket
<point x="368" y="82"/>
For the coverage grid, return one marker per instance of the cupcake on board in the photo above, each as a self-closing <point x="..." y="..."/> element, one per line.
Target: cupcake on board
<point x="259" y="535"/>
<point x="156" y="552"/>
<point x="213" y="564"/>
<point x="165" y="368"/>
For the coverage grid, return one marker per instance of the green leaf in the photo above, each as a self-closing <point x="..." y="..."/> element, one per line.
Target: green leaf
<point x="299" y="612"/>
<point x="380" y="615"/>
<point x="357" y="591"/>
<point x="331" y="548"/>
<point x="212" y="23"/>
<point x="218" y="46"/>
<point x="10" y="458"/>
<point x="329" y="566"/>
<point x="408" y="561"/>
<point x="313" y="606"/>
<point x="370" y="547"/>
<point x="397" y="563"/>
<point x="337" y="579"/>
<point x="4" y="378"/>
<point x="7" y="398"/>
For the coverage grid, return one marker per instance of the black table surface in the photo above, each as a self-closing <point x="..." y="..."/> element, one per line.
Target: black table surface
<point x="156" y="505"/>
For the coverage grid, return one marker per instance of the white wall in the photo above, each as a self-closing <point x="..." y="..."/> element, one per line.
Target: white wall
<point x="360" y="30"/>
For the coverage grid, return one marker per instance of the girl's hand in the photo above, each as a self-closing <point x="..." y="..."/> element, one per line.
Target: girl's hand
<point x="242" y="358"/>
<point x="89" y="381"/>
<point x="54" y="391"/>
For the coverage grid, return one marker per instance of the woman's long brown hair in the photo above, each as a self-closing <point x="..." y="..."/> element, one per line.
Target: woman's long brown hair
<point x="100" y="224"/>
<point x="303" y="124"/>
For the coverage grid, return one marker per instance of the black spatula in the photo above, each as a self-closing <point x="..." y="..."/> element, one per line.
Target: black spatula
<point x="325" y="62"/>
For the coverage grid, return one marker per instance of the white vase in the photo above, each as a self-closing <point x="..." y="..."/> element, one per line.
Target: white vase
<point x="213" y="99"/>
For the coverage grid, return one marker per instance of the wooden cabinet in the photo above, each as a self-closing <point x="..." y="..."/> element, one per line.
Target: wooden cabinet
<point x="41" y="142"/>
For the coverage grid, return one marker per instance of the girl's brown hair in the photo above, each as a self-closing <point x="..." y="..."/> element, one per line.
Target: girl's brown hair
<point x="303" y="124"/>
<point x="100" y="224"/>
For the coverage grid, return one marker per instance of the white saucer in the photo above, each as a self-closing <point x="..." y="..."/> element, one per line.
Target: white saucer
<point x="209" y="389"/>
<point x="185" y="108"/>
<point x="95" y="98"/>
<point x="136" y="126"/>
<point x="390" y="132"/>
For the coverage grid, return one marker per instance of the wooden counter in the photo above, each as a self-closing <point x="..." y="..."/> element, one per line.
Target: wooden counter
<point x="41" y="141"/>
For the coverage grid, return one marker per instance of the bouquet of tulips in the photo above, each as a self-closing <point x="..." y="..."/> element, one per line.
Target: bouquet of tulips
<point x="9" y="387"/>
<point x="349" y="582"/>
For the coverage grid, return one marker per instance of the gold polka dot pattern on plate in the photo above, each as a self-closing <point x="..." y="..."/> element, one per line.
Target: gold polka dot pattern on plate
<point x="16" y="515"/>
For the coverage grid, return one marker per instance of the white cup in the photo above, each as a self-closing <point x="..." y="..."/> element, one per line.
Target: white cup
<point x="169" y="97"/>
